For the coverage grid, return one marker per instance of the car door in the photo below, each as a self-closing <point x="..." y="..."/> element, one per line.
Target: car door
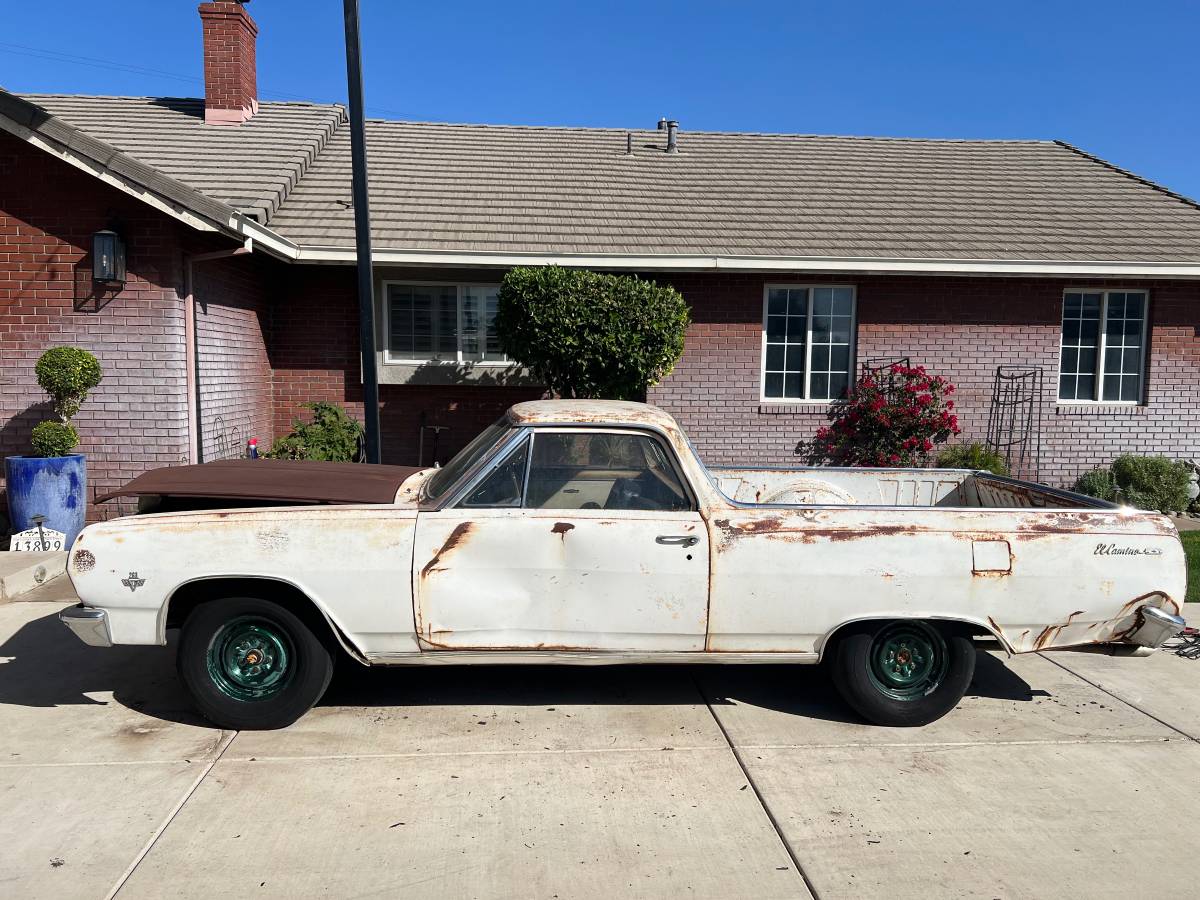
<point x="575" y="539"/>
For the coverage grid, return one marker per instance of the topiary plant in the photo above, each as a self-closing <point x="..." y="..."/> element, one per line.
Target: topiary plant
<point x="590" y="334"/>
<point x="67" y="374"/>
<point x="1152" y="482"/>
<point x="972" y="456"/>
<point x="331" y="436"/>
<point x="52" y="438"/>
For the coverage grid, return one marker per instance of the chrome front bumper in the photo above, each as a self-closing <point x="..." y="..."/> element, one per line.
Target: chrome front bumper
<point x="1155" y="627"/>
<point x="90" y="625"/>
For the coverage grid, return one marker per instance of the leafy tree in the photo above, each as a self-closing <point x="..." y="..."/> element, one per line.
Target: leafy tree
<point x="590" y="334"/>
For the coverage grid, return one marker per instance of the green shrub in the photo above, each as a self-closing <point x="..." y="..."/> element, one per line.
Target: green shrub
<point x="972" y="456"/>
<point x="590" y="334"/>
<point x="1096" y="483"/>
<point x="331" y="436"/>
<point x="1152" y="482"/>
<point x="52" y="438"/>
<point x="67" y="374"/>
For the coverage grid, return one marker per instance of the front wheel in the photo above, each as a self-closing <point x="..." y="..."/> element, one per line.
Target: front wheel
<point x="903" y="673"/>
<point x="251" y="664"/>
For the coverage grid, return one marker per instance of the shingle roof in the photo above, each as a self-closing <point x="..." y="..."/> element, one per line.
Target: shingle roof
<point x="523" y="189"/>
<point x="250" y="167"/>
<point x="540" y="190"/>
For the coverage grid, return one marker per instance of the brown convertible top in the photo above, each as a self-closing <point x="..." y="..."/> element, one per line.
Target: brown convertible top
<point x="271" y="479"/>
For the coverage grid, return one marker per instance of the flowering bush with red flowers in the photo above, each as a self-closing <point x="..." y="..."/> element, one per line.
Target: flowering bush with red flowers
<point x="894" y="417"/>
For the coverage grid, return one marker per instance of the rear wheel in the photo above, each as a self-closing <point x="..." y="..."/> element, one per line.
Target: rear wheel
<point x="903" y="672"/>
<point x="251" y="664"/>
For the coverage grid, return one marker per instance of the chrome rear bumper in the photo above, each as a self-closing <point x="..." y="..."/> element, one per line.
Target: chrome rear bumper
<point x="90" y="625"/>
<point x="1155" y="627"/>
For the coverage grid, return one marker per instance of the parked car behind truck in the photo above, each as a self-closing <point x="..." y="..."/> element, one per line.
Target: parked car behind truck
<point x="584" y="532"/>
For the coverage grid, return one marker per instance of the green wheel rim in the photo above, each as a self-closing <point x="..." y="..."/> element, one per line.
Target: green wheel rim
<point x="250" y="658"/>
<point x="908" y="660"/>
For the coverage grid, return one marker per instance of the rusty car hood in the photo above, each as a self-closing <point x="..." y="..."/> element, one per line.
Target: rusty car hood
<point x="300" y="481"/>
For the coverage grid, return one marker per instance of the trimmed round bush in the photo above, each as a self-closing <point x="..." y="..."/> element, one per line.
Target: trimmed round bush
<point x="590" y="334"/>
<point x="1097" y="483"/>
<point x="67" y="374"/>
<point x="52" y="438"/>
<point x="1152" y="482"/>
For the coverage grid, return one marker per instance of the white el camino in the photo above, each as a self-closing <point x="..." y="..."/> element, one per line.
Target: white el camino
<point x="589" y="532"/>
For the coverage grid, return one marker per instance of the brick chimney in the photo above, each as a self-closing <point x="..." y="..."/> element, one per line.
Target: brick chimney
<point x="230" y="76"/>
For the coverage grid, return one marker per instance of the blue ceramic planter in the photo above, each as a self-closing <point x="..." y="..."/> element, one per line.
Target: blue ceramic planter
<point x="50" y="486"/>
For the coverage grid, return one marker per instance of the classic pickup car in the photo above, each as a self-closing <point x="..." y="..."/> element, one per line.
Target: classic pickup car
<point x="590" y="532"/>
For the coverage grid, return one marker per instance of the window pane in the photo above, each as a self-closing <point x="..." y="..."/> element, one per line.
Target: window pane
<point x="839" y="358"/>
<point x="1134" y="306"/>
<point x="1091" y="306"/>
<point x="843" y="302"/>
<point x="1070" y="359"/>
<point x="1131" y="359"/>
<point x="479" y="340"/>
<point x="795" y="358"/>
<point x="1070" y="332"/>
<point x="821" y="327"/>
<point x="1066" y="387"/>
<point x="795" y="329"/>
<point x="820" y="387"/>
<point x="792" y="386"/>
<point x="603" y="471"/>
<point x="1087" y="388"/>
<point x="422" y="321"/>
<point x="798" y="302"/>
<point x="775" y="357"/>
<point x="1087" y="360"/>
<point x="1112" y="387"/>
<point x="1131" y="388"/>
<point x="777" y="301"/>
<point x="822" y="301"/>
<point x="820" y="358"/>
<point x="505" y="485"/>
<point x="838" y="385"/>
<point x="1071" y="306"/>
<point x="776" y="328"/>
<point x="841" y="331"/>
<point x="774" y="385"/>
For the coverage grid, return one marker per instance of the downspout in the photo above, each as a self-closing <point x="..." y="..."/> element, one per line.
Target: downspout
<point x="191" y="339"/>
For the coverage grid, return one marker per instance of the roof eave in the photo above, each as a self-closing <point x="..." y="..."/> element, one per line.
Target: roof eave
<point x="735" y="263"/>
<point x="30" y="123"/>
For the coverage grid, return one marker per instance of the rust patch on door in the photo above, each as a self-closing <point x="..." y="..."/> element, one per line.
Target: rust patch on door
<point x="456" y="538"/>
<point x="561" y="529"/>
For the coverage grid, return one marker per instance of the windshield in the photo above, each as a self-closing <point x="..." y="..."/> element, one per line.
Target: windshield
<point x="447" y="475"/>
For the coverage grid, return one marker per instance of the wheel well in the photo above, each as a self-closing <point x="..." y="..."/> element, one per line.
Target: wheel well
<point x="188" y="597"/>
<point x="972" y="629"/>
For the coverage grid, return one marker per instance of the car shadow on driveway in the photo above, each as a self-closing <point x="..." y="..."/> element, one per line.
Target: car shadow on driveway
<point x="47" y="666"/>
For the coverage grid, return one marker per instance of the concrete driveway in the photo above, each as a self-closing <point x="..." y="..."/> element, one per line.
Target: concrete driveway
<point x="1065" y="774"/>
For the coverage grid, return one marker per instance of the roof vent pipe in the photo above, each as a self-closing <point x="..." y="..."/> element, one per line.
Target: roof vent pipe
<point x="672" y="129"/>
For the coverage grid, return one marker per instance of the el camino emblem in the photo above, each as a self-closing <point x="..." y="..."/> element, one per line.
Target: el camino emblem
<point x="1114" y="550"/>
<point x="133" y="582"/>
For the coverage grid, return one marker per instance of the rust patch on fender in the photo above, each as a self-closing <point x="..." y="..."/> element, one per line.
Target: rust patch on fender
<point x="457" y="536"/>
<point x="84" y="561"/>
<point x="561" y="529"/>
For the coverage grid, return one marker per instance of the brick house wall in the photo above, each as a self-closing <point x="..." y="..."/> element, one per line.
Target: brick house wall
<point x="137" y="418"/>
<point x="962" y="328"/>
<point x="233" y="319"/>
<point x="314" y="356"/>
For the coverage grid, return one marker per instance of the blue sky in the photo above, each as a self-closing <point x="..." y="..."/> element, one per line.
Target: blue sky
<point x="1120" y="80"/>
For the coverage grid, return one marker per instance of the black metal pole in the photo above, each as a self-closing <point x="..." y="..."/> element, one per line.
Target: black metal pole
<point x="362" y="234"/>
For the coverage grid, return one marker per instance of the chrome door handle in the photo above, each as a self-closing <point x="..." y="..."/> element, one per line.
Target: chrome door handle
<point x="683" y="540"/>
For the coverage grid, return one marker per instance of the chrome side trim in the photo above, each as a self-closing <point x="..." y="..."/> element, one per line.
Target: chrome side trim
<point x="579" y="658"/>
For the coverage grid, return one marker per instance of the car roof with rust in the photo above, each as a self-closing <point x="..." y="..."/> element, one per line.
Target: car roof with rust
<point x="589" y="412"/>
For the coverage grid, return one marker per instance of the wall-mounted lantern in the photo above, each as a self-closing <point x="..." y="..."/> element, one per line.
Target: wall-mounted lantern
<point x="108" y="258"/>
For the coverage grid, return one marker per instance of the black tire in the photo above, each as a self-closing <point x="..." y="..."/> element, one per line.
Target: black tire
<point x="866" y="659"/>
<point x="294" y="669"/>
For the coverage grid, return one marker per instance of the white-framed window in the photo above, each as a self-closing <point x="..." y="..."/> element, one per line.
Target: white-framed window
<point x="1103" y="357"/>
<point x="808" y="342"/>
<point x="440" y="322"/>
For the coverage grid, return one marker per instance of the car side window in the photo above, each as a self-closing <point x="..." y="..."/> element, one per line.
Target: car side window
<point x="505" y="485"/>
<point x="602" y="471"/>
